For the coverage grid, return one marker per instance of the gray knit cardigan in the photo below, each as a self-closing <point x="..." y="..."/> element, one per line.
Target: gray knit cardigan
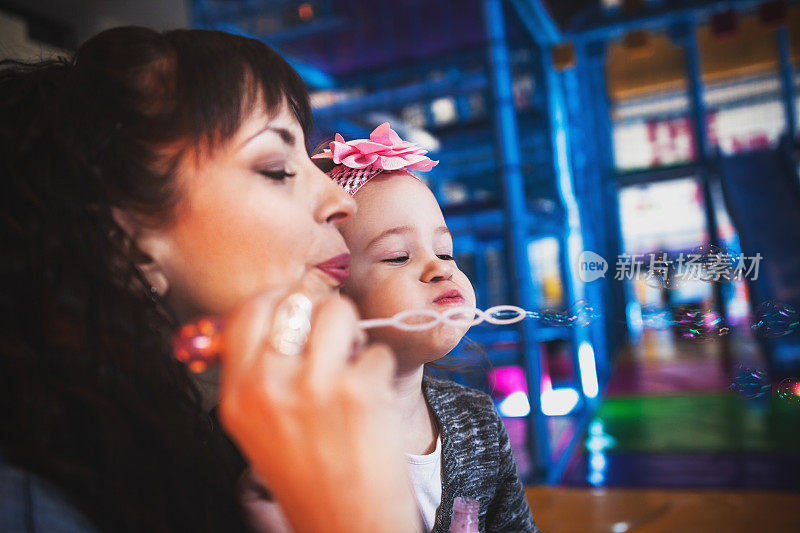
<point x="477" y="461"/>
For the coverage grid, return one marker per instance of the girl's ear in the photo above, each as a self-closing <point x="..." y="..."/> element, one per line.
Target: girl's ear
<point x="152" y="248"/>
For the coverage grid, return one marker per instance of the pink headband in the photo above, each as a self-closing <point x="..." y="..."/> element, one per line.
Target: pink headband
<point x="360" y="160"/>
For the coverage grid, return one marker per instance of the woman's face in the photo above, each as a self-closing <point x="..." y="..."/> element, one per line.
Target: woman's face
<point x="254" y="213"/>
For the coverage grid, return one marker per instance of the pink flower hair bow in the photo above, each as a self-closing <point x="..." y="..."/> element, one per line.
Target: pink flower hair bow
<point x="360" y="160"/>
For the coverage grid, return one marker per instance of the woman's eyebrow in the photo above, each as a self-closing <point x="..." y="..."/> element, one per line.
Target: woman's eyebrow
<point x="285" y="135"/>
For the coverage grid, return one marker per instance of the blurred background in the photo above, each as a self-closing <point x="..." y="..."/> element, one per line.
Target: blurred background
<point x="651" y="399"/>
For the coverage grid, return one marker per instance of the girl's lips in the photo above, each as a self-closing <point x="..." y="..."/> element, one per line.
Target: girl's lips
<point x="449" y="297"/>
<point x="337" y="267"/>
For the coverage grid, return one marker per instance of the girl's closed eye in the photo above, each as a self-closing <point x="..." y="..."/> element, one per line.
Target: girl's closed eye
<point x="446" y="257"/>
<point x="398" y="260"/>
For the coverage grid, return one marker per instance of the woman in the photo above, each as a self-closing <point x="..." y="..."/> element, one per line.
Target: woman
<point x="152" y="179"/>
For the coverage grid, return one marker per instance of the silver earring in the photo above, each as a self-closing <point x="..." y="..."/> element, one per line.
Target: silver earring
<point x="154" y="295"/>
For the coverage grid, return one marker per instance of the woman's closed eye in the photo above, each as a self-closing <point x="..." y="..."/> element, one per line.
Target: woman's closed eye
<point x="277" y="175"/>
<point x="446" y="257"/>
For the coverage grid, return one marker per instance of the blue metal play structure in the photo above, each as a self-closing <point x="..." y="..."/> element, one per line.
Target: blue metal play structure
<point x="517" y="109"/>
<point x="768" y="179"/>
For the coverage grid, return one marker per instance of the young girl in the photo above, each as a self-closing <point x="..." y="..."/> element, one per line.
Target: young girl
<point x="402" y="259"/>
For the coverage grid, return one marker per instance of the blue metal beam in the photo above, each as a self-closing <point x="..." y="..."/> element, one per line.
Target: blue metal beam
<point x="398" y="74"/>
<point x="537" y="21"/>
<point x="391" y="99"/>
<point x="457" y="155"/>
<point x="517" y="235"/>
<point x="574" y="240"/>
<point x="492" y="222"/>
<point x="686" y="34"/>
<point x="787" y="79"/>
<point x="660" y="17"/>
<point x="585" y="99"/>
<point x="597" y="194"/>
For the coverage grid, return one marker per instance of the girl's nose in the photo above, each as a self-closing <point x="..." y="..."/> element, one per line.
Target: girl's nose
<point x="437" y="270"/>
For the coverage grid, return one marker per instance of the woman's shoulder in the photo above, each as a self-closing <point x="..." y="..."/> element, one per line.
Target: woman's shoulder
<point x="29" y="503"/>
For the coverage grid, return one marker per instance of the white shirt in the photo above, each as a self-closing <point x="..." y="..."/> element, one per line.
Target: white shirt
<point x="426" y="477"/>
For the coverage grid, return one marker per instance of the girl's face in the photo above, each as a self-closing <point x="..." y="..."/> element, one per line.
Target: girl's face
<point x="254" y="213"/>
<point x="403" y="259"/>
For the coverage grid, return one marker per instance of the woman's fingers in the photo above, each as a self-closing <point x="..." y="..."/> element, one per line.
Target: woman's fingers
<point x="253" y="372"/>
<point x="246" y="328"/>
<point x="324" y="417"/>
<point x="251" y="329"/>
<point x="331" y="341"/>
<point x="374" y="368"/>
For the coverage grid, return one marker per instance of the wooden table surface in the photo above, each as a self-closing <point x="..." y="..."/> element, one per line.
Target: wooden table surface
<point x="568" y="510"/>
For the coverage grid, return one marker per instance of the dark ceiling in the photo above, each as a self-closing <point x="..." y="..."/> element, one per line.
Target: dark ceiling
<point x="397" y="32"/>
<point x="562" y="11"/>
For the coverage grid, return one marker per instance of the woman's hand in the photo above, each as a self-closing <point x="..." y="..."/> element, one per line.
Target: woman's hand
<point x="319" y="428"/>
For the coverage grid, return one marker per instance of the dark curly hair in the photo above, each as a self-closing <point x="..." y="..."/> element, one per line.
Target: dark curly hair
<point x="92" y="398"/>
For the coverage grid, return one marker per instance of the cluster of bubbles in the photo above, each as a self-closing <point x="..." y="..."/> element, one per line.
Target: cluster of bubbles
<point x="772" y="319"/>
<point x="579" y="314"/>
<point x="751" y="383"/>
<point x="710" y="263"/>
<point x="713" y="263"/>
<point x="689" y="323"/>
<point x="716" y="263"/>
<point x="707" y="262"/>
<point x="698" y="325"/>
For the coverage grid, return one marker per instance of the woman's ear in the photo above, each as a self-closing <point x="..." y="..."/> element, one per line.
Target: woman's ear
<point x="151" y="249"/>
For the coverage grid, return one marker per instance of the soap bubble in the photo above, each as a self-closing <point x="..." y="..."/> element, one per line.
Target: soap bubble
<point x="656" y="318"/>
<point x="697" y="325"/>
<point x="774" y="319"/>
<point x="789" y="390"/>
<point x="579" y="314"/>
<point x="661" y="271"/>
<point x="554" y="318"/>
<point x="750" y="383"/>
<point x="709" y="262"/>
<point x="506" y="314"/>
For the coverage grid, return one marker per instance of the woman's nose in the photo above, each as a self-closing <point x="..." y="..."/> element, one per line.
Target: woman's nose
<point x="437" y="270"/>
<point x="335" y="204"/>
